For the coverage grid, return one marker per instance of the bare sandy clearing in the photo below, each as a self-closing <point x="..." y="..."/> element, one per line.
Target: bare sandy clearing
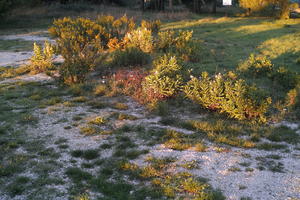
<point x="14" y="58"/>
<point x="33" y="36"/>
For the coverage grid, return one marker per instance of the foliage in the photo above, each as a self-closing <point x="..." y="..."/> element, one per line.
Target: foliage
<point x="165" y="80"/>
<point x="258" y="66"/>
<point x="233" y="97"/>
<point x="254" y="6"/>
<point x="153" y="25"/>
<point x="140" y="38"/>
<point x="285" y="78"/>
<point x="130" y="56"/>
<point x="42" y="59"/>
<point x="81" y="42"/>
<point x="116" y="28"/>
<point x="181" y="44"/>
<point x="128" y="82"/>
<point x="4" y="7"/>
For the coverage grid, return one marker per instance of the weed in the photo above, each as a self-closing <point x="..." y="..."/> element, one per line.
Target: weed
<point x="89" y="130"/>
<point x="234" y="169"/>
<point x="90" y="154"/>
<point x="190" y="165"/>
<point x="77" y="175"/>
<point x="100" y="90"/>
<point x="120" y="106"/>
<point x="80" y="99"/>
<point x="131" y="56"/>
<point x="77" y="153"/>
<point x="123" y="116"/>
<point x="271" y="146"/>
<point x="42" y="60"/>
<point x="28" y="119"/>
<point x="284" y="133"/>
<point x="248" y="169"/>
<point x="97" y="121"/>
<point x="97" y="104"/>
<point x="200" y="147"/>
<point x="245" y="164"/>
<point x="77" y="118"/>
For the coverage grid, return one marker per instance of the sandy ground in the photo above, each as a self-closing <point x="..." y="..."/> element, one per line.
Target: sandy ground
<point x="14" y="58"/>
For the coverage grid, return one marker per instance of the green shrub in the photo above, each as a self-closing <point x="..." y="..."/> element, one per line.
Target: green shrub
<point x="153" y="25"/>
<point x="233" y="97"/>
<point x="130" y="56"/>
<point x="81" y="43"/>
<point x="42" y="59"/>
<point x="285" y="78"/>
<point x="117" y="28"/>
<point x="259" y="6"/>
<point x="181" y="44"/>
<point x="165" y="80"/>
<point x="140" y="38"/>
<point x="258" y="66"/>
<point x="166" y="40"/>
<point x="4" y="7"/>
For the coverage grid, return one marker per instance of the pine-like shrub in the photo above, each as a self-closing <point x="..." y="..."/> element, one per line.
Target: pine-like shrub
<point x="165" y="80"/>
<point x="117" y="28"/>
<point x="285" y="78"/>
<point x="233" y="97"/>
<point x="153" y="25"/>
<point x="81" y="43"/>
<point x="181" y="44"/>
<point x="130" y="56"/>
<point x="140" y="38"/>
<point x="42" y="58"/>
<point x="257" y="66"/>
<point x="4" y="7"/>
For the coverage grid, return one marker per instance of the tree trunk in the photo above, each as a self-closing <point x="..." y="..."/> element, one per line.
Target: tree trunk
<point x="171" y="5"/>
<point x="214" y="7"/>
<point x="142" y="5"/>
<point x="197" y="6"/>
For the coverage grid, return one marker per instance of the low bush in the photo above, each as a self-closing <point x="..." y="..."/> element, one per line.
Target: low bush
<point x="4" y="7"/>
<point x="233" y="97"/>
<point x="128" y="82"/>
<point x="140" y="38"/>
<point x="153" y="25"/>
<point x="81" y="43"/>
<point x="165" y="80"/>
<point x="42" y="59"/>
<point x="117" y="28"/>
<point x="257" y="66"/>
<point x="130" y="56"/>
<point x="182" y="44"/>
<point x="285" y="78"/>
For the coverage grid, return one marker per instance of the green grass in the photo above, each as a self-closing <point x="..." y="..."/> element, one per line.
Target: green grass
<point x="15" y="45"/>
<point x="229" y="41"/>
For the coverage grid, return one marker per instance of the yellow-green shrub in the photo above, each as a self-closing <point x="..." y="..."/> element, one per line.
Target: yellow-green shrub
<point x="81" y="42"/>
<point x="258" y="66"/>
<point x="153" y="25"/>
<point x="233" y="97"/>
<point x="42" y="59"/>
<point x="182" y="44"/>
<point x="130" y="56"/>
<point x="285" y="78"/>
<point x="117" y="28"/>
<point x="140" y="38"/>
<point x="165" y="80"/>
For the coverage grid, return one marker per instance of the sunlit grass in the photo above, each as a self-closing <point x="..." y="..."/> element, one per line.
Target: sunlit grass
<point x="229" y="41"/>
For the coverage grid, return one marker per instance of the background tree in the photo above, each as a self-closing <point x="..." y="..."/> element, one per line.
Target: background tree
<point x="256" y="6"/>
